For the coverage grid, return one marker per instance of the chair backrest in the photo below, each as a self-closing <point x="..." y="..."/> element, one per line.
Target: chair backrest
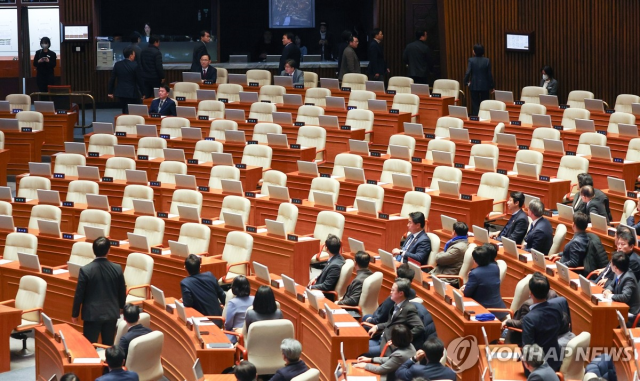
<point x="212" y="109"/>
<point x="446" y="88"/>
<point x="95" y="218"/>
<point x="345" y="160"/>
<point x="152" y="146"/>
<point x="31" y="294"/>
<point x="529" y="157"/>
<point x="185" y="197"/>
<point x="407" y="103"/>
<point x="19" y="101"/>
<point x="485" y="150"/>
<point x="28" y="187"/>
<point x="541" y="133"/>
<point x="310" y="79"/>
<point x="237" y="248"/>
<point x="401" y="85"/>
<point x="496" y="187"/>
<point x="370" y="192"/>
<point x="272" y="93"/>
<point x="627" y="210"/>
<point x="502" y="266"/>
<point x="416" y="202"/>
<point x="236" y="204"/>
<point x="620" y="117"/>
<point x="392" y="166"/>
<point x="44" y="212"/>
<point x="288" y="215"/>
<point x="316" y="95"/>
<point x="127" y="123"/>
<point x="313" y="136"/>
<point x="204" y="148"/>
<point x="360" y="98"/>
<point x="197" y="236"/>
<point x="572" y="367"/>
<point x="102" y="143"/>
<point x="19" y="242"/>
<point x="355" y="81"/>
<point x="444" y="123"/>
<point x="222" y="75"/>
<point x="570" y="167"/>
<point x="122" y="328"/>
<point x="116" y="167"/>
<point x="558" y="239"/>
<point x="263" y="77"/>
<point x="138" y="271"/>
<point x="444" y="173"/>
<point x="82" y="253"/>
<point x="263" y="112"/>
<point x="487" y="105"/>
<point x="467" y="263"/>
<point x="272" y="177"/>
<point x="588" y="138"/>
<point x="68" y="163"/>
<point x="531" y="94"/>
<point x="1" y="140"/>
<point x="220" y="172"/>
<point x="229" y="91"/>
<point x="576" y="98"/>
<point x="78" y="190"/>
<point x="529" y="109"/>
<point x="312" y="374"/>
<point x="32" y="119"/>
<point x="219" y="126"/>
<point x="263" y="342"/>
<point x="403" y="140"/>
<point x="309" y="115"/>
<point x="136" y="192"/>
<point x="152" y="227"/>
<point x="370" y="290"/>
<point x="498" y="130"/>
<point x="345" y="274"/>
<point x="189" y="90"/>
<point x="521" y="293"/>
<point x="257" y="155"/>
<point x="144" y="357"/>
<point x="328" y="222"/>
<point x="6" y="209"/>
<point x="260" y="131"/>
<point x="325" y="185"/>
<point x="360" y="120"/>
<point x="173" y="126"/>
<point x="624" y="101"/>
<point x="169" y="170"/>
<point x="633" y="152"/>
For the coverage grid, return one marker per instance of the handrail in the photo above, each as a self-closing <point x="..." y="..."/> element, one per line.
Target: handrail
<point x="71" y="95"/>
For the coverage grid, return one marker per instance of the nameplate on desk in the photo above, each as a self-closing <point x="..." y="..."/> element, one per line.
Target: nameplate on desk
<point x="391" y="92"/>
<point x="609" y="111"/>
<point x="208" y="82"/>
<point x="300" y="297"/>
<point x="336" y="330"/>
<point x="203" y="117"/>
<point x="345" y="128"/>
<point x="458" y="165"/>
<point x="143" y="157"/>
<point x="416" y="159"/>
<point x="611" y="233"/>
<point x="373" y="182"/>
<point x="325" y="175"/>
<point x="121" y="133"/>
<point x="114" y="243"/>
<point x="559" y="128"/>
<point x="252" y="120"/>
<point x="550" y="271"/>
<point x="26" y="129"/>
<point x="618" y="160"/>
<point x="107" y="179"/>
<point x="594" y="300"/>
<point x="375" y="154"/>
<point x="16" y="110"/>
<point x="294" y="146"/>
<point x="170" y="309"/>
<point x="210" y="138"/>
<point x="298" y="86"/>
<point x="383" y="216"/>
<point x="181" y="99"/>
<point x="163" y="215"/>
<point x="502" y="171"/>
<point x="345" y="88"/>
<point x="296" y="201"/>
<point x="154" y="115"/>
<point x="61" y="112"/>
<point x="349" y="108"/>
<point x="448" y="299"/>
<point x="570" y="153"/>
<point x="309" y="104"/>
<point x="252" y="142"/>
<point x="58" y="175"/>
<point x="241" y="166"/>
<point x="203" y="189"/>
<point x="602" y="132"/>
<point x="298" y="124"/>
<point x="265" y="101"/>
<point x="573" y="286"/>
<point x="93" y="154"/>
<point x="116" y="209"/>
<point x="522" y="258"/>
<point x="251" y="229"/>
<point x="518" y="103"/>
<point x="155" y="250"/>
<point x="523" y="147"/>
<point x="475" y="141"/>
<point x="254" y="84"/>
<point x="516" y="123"/>
<point x="192" y="161"/>
<point x="474" y="118"/>
<point x="154" y="183"/>
<point x="430" y="136"/>
<point x="47" y="270"/>
<point x="426" y="285"/>
<point x="544" y="178"/>
<point x="250" y="194"/>
<point x="436" y="95"/>
<point x="322" y="313"/>
<point x="206" y="221"/>
<point x="68" y="203"/>
<point x="223" y="100"/>
<point x="341" y="208"/>
<point x="67" y="236"/>
<point x="292" y="237"/>
<point x="394" y="111"/>
<point x="548" y="213"/>
<point x="633" y="195"/>
<point x="420" y="189"/>
<point x="467" y="314"/>
<point x="22" y="230"/>
<point x="465" y="197"/>
<point x="564" y="107"/>
<point x="165" y="136"/>
<point x="19" y="199"/>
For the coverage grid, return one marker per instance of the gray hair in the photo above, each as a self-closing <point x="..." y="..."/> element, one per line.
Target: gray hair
<point x="291" y="349"/>
<point x="533" y="355"/>
<point x="536" y="207"/>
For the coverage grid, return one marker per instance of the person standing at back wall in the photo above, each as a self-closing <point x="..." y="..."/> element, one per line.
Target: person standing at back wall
<point x="479" y="78"/>
<point x="44" y="61"/>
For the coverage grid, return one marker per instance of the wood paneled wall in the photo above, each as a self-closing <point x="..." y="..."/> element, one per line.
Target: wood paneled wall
<point x="78" y="68"/>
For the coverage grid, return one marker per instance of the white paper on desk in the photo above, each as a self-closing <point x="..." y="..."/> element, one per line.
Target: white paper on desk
<point x="201" y="320"/>
<point x="381" y="183"/>
<point x="78" y="236"/>
<point x="126" y="209"/>
<point x="470" y="304"/>
<point x="636" y="340"/>
<point x="440" y="137"/>
<point x="217" y="222"/>
<point x="336" y="177"/>
<point x="555" y="180"/>
<point x="362" y="378"/>
<point x="340" y="311"/>
<point x="469" y="166"/>
<point x="124" y="242"/>
<point x="602" y="298"/>
<point x="91" y="360"/>
<point x="166" y="252"/>
<point x="352" y="209"/>
<point x="552" y="266"/>
<point x="172" y="215"/>
<point x="4" y="261"/>
<point x="528" y="256"/>
<point x="347" y="324"/>
<point x="300" y="239"/>
<point x="512" y="173"/>
<point x="262" y="230"/>
<point x="151" y="157"/>
<point x="172" y="305"/>
<point x="393" y="218"/>
<point x="280" y="282"/>
<point x="576" y="282"/>
<point x="629" y="161"/>
<point x="60" y="271"/>
<point x="260" y="195"/>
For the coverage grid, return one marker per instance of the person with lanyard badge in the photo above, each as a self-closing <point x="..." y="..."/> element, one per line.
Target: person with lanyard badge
<point x="417" y="245"/>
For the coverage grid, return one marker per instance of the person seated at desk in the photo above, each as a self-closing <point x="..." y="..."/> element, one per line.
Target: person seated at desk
<point x="328" y="278"/>
<point x="417" y="245"/>
<point x="449" y="261"/>
<point x="631" y="221"/>
<point x="624" y="288"/>
<point x="264" y="307"/>
<point x="237" y="307"/>
<point x="381" y="314"/>
<point x="207" y="72"/>
<point x="201" y="291"/>
<point x="131" y="315"/>
<point x="163" y="105"/>
<point x="548" y="81"/>
<point x="483" y="285"/>
<point x="590" y="204"/>
<point x="518" y="223"/>
<point x="115" y="360"/>
<point x="624" y="242"/>
<point x="515" y="337"/>
<point x="291" y="71"/>
<point x="575" y="251"/>
<point x="291" y="350"/>
<point x="402" y="350"/>
<point x="533" y="361"/>
<point x="245" y="371"/>
<point x="426" y="364"/>
<point x="578" y="205"/>
<point x="351" y="297"/>
<point x="540" y="235"/>
<point x="69" y="377"/>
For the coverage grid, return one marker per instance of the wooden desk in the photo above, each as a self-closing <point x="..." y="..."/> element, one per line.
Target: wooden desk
<point x="5" y="157"/>
<point x="503" y="369"/>
<point x="627" y="365"/>
<point x="607" y="241"/>
<point x="25" y="147"/>
<point x="616" y="202"/>
<point x="57" y="129"/>
<point x="9" y="319"/>
<point x="601" y="119"/>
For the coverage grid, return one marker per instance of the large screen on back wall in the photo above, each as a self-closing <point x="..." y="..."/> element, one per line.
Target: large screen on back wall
<point x="292" y="14"/>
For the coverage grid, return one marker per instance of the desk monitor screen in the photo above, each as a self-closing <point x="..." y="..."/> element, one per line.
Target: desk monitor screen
<point x="503" y="96"/>
<point x="538" y="259"/>
<point x="248" y="97"/>
<point x="237" y="79"/>
<point x="237" y="115"/>
<point x="186" y="112"/>
<point x="458" y="112"/>
<point x="50" y="228"/>
<point x="232" y="187"/>
<point x="219" y="158"/>
<point x="553" y="145"/>
<point x="330" y="121"/>
<point x="329" y="313"/>
<point x="315" y="298"/>
<point x="414" y="129"/>
<point x="64" y="342"/>
<point x="9" y="124"/>
<point x="289" y="284"/>
<point x="565" y="212"/>
<point x="262" y="272"/>
<point x="355" y="245"/>
<point x="5" y="106"/>
<point x="418" y="272"/>
<point x="594" y="105"/>
<point x="375" y="86"/>
<point x="366" y="207"/>
<point x="540" y="120"/>
<point x="520" y="42"/>
<point x="197" y="369"/>
<point x="279" y="193"/>
<point x="138" y="242"/>
<point x="330" y="83"/>
<point x="499" y="116"/>
<point x="144" y="207"/>
<point x="527" y="170"/>
<point x="29" y="261"/>
<point x="96" y="201"/>
<point x="623" y="323"/>
<point x="507" y="140"/>
<point x="334" y="102"/>
<point x="206" y="95"/>
<point x="585" y="285"/>
<point x="141" y="110"/>
<point x="399" y="152"/>
<point x="457" y="298"/>
<point x="174" y="154"/>
<point x="40" y="169"/>
<point x="182" y="313"/>
<point x="74" y="269"/>
<point x="233" y="220"/>
<point x="440" y="286"/>
<point x="599" y="223"/>
<point x="185" y="181"/>
<point x="528" y="198"/>
<point x="460" y="134"/>
<point x="146" y="130"/>
<point x="191" y="133"/>
<point x="563" y="272"/>
<point x="48" y="324"/>
<point x="449" y="188"/>
<point x="387" y="259"/>
<point x="401" y="180"/>
<point x="188" y="76"/>
<point x="628" y="130"/>
<point x="359" y="147"/>
<point x="377" y="105"/>
<point x="485" y="163"/>
<point x="282" y="118"/>
<point x="276" y="228"/>
<point x="292" y="99"/>
<point x="121" y="150"/>
<point x="6" y="223"/>
<point x="88" y="173"/>
<point x="549" y="100"/>
<point x="442" y="158"/>
<point x="72" y="147"/>
<point x="447" y="223"/>
<point x="48" y="197"/>
<point x="480" y="234"/>
<point x="277" y="140"/>
<point x="308" y="168"/>
<point x="5" y="194"/>
<point x="585" y="125"/>
<point x="323" y="199"/>
<point x="354" y="174"/>
<point x="236" y="136"/>
<point x="179" y="249"/>
<point x="600" y="152"/>
<point x="273" y="58"/>
<point x="93" y="232"/>
<point x="283" y="80"/>
<point x="189" y="213"/>
<point x="617" y="185"/>
<point x="158" y="295"/>
<point x="510" y="247"/>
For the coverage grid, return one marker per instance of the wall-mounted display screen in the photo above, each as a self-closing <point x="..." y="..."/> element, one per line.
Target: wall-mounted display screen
<point x="520" y="42"/>
<point x="292" y="14"/>
<point x="76" y="33"/>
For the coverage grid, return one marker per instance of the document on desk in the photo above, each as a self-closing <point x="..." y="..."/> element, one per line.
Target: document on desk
<point x="201" y="320"/>
<point x="300" y="239"/>
<point x="347" y="324"/>
<point x="362" y="378"/>
<point x="60" y="271"/>
<point x="4" y="261"/>
<point x="339" y="311"/>
<point x="262" y="230"/>
<point x="79" y="360"/>
<point x="602" y="298"/>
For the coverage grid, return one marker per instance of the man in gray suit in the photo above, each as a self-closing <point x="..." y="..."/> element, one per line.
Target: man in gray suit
<point x="291" y="71"/>
<point x="624" y="288"/>
<point x="449" y="261"/>
<point x="354" y="290"/>
<point x="350" y="62"/>
<point x="479" y="78"/>
<point x="533" y="361"/>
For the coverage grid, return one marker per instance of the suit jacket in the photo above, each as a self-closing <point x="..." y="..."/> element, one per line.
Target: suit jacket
<point x="575" y="251"/>
<point x="136" y="48"/>
<point x="119" y="375"/>
<point x="298" y="76"/>
<point x="626" y="291"/>
<point x="129" y="77"/>
<point x="540" y="236"/>
<point x="514" y="337"/>
<point x="449" y="262"/>
<point x="168" y="107"/>
<point x="151" y="63"/>
<point x="198" y="52"/>
<point x="598" y="195"/>
<point x="354" y="289"/>
<point x="100" y="291"/>
<point x="479" y="74"/>
<point x="543" y="373"/>
<point x="381" y="313"/>
<point x="417" y="57"/>
<point x="419" y="249"/>
<point x="436" y="371"/>
<point x="349" y="62"/>
<point x="552" y="87"/>
<point x="290" y="371"/>
<point x="542" y="326"/>
<point x="516" y="227"/>
<point x="212" y="73"/>
<point x="290" y="52"/>
<point x="328" y="278"/>
<point x="595" y="206"/>
<point x="377" y="64"/>
<point x="388" y="365"/>
<point x="407" y="315"/>
<point x="203" y="293"/>
<point x="134" y="332"/>
<point x="483" y="286"/>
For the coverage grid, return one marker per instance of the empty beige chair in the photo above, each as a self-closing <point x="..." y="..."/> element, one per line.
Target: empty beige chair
<point x="345" y="160"/>
<point x="144" y="357"/>
<point x="263" y="112"/>
<point x="219" y="126"/>
<point x="484" y="150"/>
<point x="229" y="91"/>
<point x="236" y="204"/>
<point x="576" y="98"/>
<point x="498" y="130"/>
<point x="212" y="109"/>
<point x="102" y="144"/>
<point x="570" y="167"/>
<point x="237" y="253"/>
<point x="5" y="208"/>
<point x="620" y="117"/>
<point x="404" y="141"/>
<point x="204" y="148"/>
<point x="444" y="123"/>
<point x="628" y="209"/>
<point x="68" y="163"/>
<point x="392" y="166"/>
<point x="355" y="81"/>
<point x="19" y="101"/>
<point x="361" y="120"/>
<point x="260" y="131"/>
<point x="272" y="93"/>
<point x="558" y="240"/>
<point x="529" y="157"/>
<point x="262" y="77"/>
<point x="263" y="344"/>
<point x="633" y="152"/>
<point x="2" y="140"/>
<point x="370" y="192"/>
<point x="313" y="374"/>
<point x="309" y="115"/>
<point x="136" y="192"/>
<point x="541" y="133"/>
<point x="79" y="189"/>
<point x="442" y="173"/>
<point x="220" y="172"/>
<point x="324" y="185"/>
<point x="587" y="139"/>
<point x="116" y="167"/>
<point x="313" y="136"/>
<point x="272" y="177"/>
<point x="152" y="228"/>
<point x="257" y="156"/>
<point x="416" y="202"/>
<point x="407" y="103"/>
<point x="196" y="236"/>
<point x="31" y="294"/>
<point x="570" y="115"/>
<point x="447" y="88"/>
<point x="222" y="75"/>
<point x="288" y="215"/>
<point x="494" y="186"/>
<point x="44" y="212"/>
<point x="19" y="243"/>
<point x="32" y="119"/>
<point x="360" y="99"/>
<point x="316" y="95"/>
<point x="310" y="79"/>
<point x="531" y="94"/>
<point x="82" y="253"/>
<point x="189" y="90"/>
<point x="572" y="367"/>
<point x="152" y="146"/>
<point x="185" y="197"/>
<point x="528" y="109"/>
<point x="486" y="106"/>
<point x="624" y="101"/>
<point x="28" y="187"/>
<point x="169" y="170"/>
<point x="127" y="123"/>
<point x="173" y="126"/>
<point x="95" y="218"/>
<point x="401" y="85"/>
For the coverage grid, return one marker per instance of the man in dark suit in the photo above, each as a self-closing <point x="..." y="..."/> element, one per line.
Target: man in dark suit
<point x="592" y="205"/>
<point x="291" y="71"/>
<point x="151" y="65"/>
<point x="291" y="350"/>
<point x="135" y="45"/>
<point x="129" y="77"/>
<point x="381" y="314"/>
<point x="200" y="50"/>
<point x="377" y="65"/>
<point x="100" y="293"/>
<point x="163" y="105"/>
<point x="417" y="58"/>
<point x="624" y="288"/>
<point x="323" y="47"/>
<point x="351" y="297"/>
<point x="517" y="226"/>
<point x="131" y="315"/>
<point x="207" y="72"/>
<point x="115" y="360"/>
<point x="578" y="205"/>
<point x="201" y="291"/>
<point x="291" y="51"/>
<point x="576" y="250"/>
<point x="625" y="241"/>
<point x="417" y="245"/>
<point x="349" y="62"/>
<point x="479" y="78"/>
<point x="328" y="278"/>
<point x="533" y="361"/>
<point x="426" y="364"/>
<point x="540" y="235"/>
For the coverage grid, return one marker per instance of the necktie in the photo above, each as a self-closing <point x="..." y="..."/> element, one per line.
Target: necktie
<point x="408" y="243"/>
<point x="160" y="105"/>
<point x="396" y="308"/>
<point x="204" y="72"/>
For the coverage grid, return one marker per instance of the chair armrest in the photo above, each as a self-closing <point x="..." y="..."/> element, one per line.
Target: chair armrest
<point x="352" y="308"/>
<point x="229" y="265"/>
<point x="219" y="256"/>
<point x="236" y="334"/>
<point x="594" y="272"/>
<point x="514" y="329"/>
<point x="10" y="303"/>
<point x="241" y="352"/>
<point x="579" y="268"/>
<point x="147" y="286"/>
<point x="32" y="310"/>
<point x="427" y="267"/>
<point x="97" y="345"/>
<point x="505" y="310"/>
<point x="458" y="277"/>
<point x="555" y="259"/>
<point x="335" y="294"/>
<point x="218" y="318"/>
